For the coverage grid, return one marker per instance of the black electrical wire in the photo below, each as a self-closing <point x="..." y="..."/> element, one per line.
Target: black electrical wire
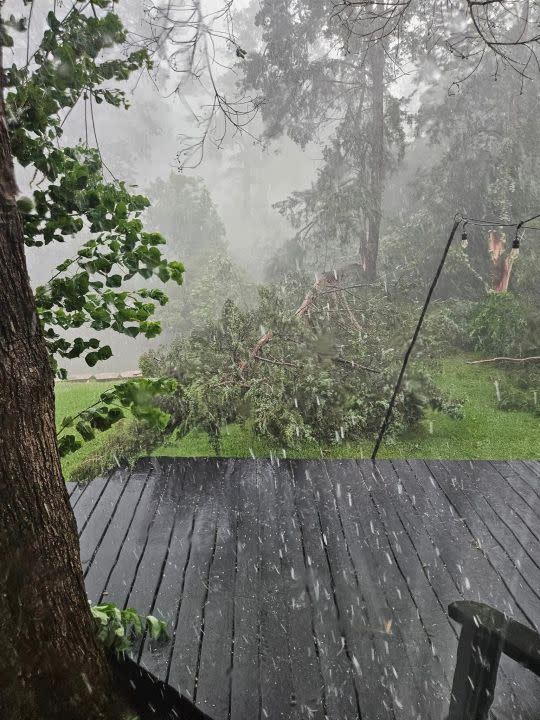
<point x="486" y="223"/>
<point x="524" y="222"/>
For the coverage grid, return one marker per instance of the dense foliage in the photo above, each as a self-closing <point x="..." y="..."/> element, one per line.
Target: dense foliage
<point x="78" y="60"/>
<point x="477" y="153"/>
<point x="136" y="397"/>
<point x="323" y="378"/>
<point x="503" y="325"/>
<point x="325" y="84"/>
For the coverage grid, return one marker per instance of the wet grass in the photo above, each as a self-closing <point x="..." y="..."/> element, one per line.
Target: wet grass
<point x="484" y="432"/>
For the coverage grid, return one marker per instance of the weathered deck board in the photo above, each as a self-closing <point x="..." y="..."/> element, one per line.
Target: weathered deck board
<point x="312" y="589"/>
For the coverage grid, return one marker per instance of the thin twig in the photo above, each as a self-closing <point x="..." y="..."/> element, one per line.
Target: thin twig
<point x="275" y="362"/>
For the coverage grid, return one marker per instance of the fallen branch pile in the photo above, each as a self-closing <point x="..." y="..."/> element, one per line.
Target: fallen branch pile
<point x="332" y="282"/>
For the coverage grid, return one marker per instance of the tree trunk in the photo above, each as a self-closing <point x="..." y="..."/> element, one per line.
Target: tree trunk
<point x="376" y="65"/>
<point x="51" y="667"/>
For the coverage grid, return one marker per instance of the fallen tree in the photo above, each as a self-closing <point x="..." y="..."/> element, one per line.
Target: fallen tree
<point x="331" y="282"/>
<point x="319" y="365"/>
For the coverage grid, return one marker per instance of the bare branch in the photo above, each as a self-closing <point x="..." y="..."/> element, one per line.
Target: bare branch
<point x="532" y="358"/>
<point x="471" y="30"/>
<point x="200" y="50"/>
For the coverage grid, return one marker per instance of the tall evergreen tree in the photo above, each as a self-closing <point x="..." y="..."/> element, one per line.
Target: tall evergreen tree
<point x="321" y="81"/>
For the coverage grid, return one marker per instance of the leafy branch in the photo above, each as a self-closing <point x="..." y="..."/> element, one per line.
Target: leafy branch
<point x="135" y="396"/>
<point x="117" y="629"/>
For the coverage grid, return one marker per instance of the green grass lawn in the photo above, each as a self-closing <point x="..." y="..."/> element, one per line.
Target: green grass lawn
<point x="484" y="431"/>
<point x="71" y="398"/>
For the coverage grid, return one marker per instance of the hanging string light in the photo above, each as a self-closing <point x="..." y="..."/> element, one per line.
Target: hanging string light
<point x="464" y="236"/>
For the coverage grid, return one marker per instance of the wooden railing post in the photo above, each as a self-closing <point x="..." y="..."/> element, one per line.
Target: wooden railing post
<point x="473" y="689"/>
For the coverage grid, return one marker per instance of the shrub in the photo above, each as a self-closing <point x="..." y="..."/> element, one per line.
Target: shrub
<point x="522" y="400"/>
<point x="498" y="325"/>
<point x="445" y="329"/>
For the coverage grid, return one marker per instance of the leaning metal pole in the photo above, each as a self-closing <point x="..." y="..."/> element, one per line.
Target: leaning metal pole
<point x="388" y="416"/>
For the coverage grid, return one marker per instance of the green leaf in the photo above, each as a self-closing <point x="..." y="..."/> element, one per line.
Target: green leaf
<point x="25" y="205"/>
<point x="108" y="396"/>
<point x="156" y="628"/>
<point x="53" y="22"/>
<point x="84" y="429"/>
<point x="91" y="358"/>
<point x="104" y="352"/>
<point x="68" y="444"/>
<point x="114" y="281"/>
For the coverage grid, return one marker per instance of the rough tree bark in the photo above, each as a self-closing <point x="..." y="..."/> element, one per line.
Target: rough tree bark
<point x="375" y="58"/>
<point x="51" y="667"/>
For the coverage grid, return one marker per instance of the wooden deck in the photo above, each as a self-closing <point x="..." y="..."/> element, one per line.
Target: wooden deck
<point x="316" y="589"/>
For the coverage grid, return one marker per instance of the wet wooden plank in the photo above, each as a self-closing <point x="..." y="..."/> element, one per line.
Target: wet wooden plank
<point x="245" y="695"/>
<point x="516" y="510"/>
<point x="72" y="487"/>
<point x="75" y="494"/>
<point x="183" y="669"/>
<point x="91" y="533"/>
<point x="155" y="656"/>
<point x="377" y="662"/>
<point x="384" y="620"/>
<point x="100" y="564"/>
<point x="482" y="581"/>
<point x="275" y="664"/>
<point x="421" y="620"/>
<point x="213" y="685"/>
<point x="126" y="559"/>
<point x="155" y="553"/>
<point x="308" y="589"/>
<point x="459" y="558"/>
<point x="88" y="500"/>
<point x="308" y="694"/>
<point x="518" y="598"/>
<point x="528" y="491"/>
<point x="529" y="471"/>
<point x="507" y="521"/>
<point x="337" y="665"/>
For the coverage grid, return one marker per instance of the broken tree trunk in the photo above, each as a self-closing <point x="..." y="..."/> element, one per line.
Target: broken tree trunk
<point x="501" y="261"/>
